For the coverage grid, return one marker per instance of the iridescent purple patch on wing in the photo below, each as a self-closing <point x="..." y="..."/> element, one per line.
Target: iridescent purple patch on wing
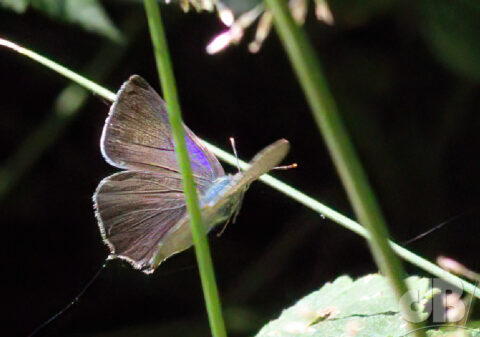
<point x="198" y="158"/>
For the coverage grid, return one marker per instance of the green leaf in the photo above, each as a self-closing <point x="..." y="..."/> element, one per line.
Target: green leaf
<point x="452" y="29"/>
<point x="89" y="14"/>
<point x="19" y="6"/>
<point x="365" y="307"/>
<point x="453" y="331"/>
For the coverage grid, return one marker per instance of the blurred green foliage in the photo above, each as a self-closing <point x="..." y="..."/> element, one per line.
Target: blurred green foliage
<point x="19" y="6"/>
<point x="452" y="29"/>
<point x="89" y="14"/>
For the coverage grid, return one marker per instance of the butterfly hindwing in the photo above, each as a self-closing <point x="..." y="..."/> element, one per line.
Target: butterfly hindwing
<point x="136" y="211"/>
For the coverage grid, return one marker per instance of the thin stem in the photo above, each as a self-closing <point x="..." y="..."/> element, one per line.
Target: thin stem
<point x="65" y="108"/>
<point x="324" y="109"/>
<point x="285" y="189"/>
<point x="81" y="80"/>
<point x="202" y="250"/>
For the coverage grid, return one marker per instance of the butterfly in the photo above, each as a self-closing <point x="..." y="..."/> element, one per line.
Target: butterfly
<point x="141" y="211"/>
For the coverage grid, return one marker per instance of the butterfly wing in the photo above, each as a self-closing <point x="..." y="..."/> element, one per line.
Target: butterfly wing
<point x="137" y="135"/>
<point x="137" y="211"/>
<point x="264" y="161"/>
<point x="229" y="199"/>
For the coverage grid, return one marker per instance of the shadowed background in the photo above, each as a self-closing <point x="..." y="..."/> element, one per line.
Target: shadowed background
<point x="405" y="76"/>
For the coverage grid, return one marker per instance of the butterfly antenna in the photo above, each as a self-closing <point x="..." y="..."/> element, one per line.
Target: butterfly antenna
<point x="232" y="141"/>
<point x="286" y="167"/>
<point x="69" y="305"/>
<point x="440" y="225"/>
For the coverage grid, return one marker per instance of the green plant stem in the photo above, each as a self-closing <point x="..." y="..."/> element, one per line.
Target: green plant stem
<point x="80" y="80"/>
<point x="354" y="179"/>
<point x="65" y="108"/>
<point x="285" y="189"/>
<point x="202" y="251"/>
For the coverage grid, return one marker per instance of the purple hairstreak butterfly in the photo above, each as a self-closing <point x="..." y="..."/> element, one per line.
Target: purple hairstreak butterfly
<point x="141" y="211"/>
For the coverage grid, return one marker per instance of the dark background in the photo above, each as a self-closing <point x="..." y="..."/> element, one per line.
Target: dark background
<point x="405" y="76"/>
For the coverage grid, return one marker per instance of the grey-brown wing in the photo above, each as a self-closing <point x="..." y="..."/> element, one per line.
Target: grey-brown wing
<point x="137" y="135"/>
<point x="229" y="199"/>
<point x="263" y="162"/>
<point x="137" y="212"/>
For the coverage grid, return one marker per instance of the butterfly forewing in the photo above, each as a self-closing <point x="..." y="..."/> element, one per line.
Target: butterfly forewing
<point x="137" y="135"/>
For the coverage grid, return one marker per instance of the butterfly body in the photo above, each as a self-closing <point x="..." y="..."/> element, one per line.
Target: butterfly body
<point x="141" y="211"/>
<point x="215" y="191"/>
